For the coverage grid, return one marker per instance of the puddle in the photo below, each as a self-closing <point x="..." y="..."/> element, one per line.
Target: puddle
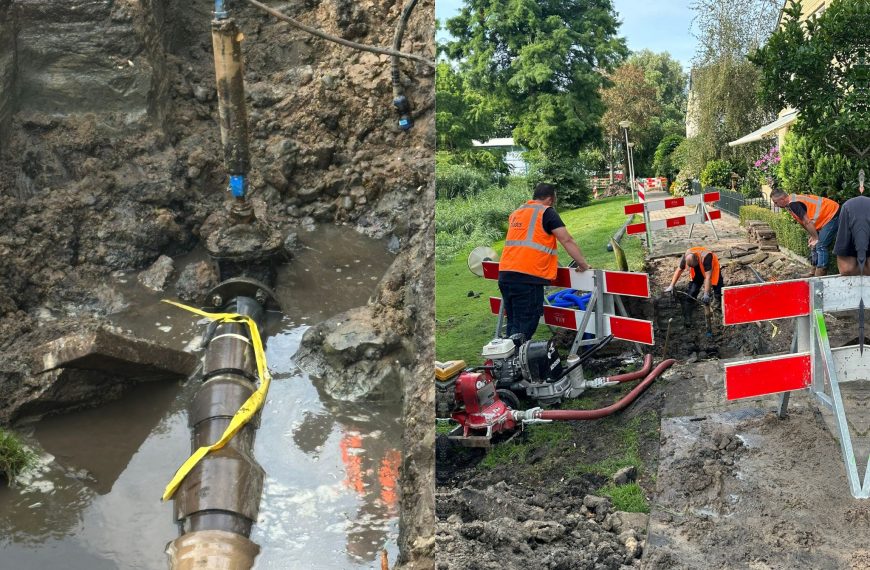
<point x="330" y="499"/>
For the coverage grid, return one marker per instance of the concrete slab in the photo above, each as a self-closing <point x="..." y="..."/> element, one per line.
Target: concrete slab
<point x="119" y="355"/>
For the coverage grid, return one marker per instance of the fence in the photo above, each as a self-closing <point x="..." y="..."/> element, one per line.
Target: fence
<point x="730" y="201"/>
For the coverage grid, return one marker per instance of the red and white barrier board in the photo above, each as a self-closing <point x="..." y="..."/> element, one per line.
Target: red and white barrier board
<point x="765" y="302"/>
<point x="701" y="215"/>
<point x="624" y="328"/>
<point x="615" y="282"/>
<point x="624" y="283"/>
<point x="698" y="218"/>
<point x="770" y="375"/>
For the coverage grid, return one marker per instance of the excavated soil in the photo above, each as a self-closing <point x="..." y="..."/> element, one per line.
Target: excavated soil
<point x="744" y="489"/>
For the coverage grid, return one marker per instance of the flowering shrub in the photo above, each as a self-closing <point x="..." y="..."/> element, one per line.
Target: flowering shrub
<point x="767" y="167"/>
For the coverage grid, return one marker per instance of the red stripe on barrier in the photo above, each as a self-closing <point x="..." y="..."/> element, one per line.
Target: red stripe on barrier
<point x="623" y="283"/>
<point x="635" y="229"/>
<point x="675" y="202"/>
<point x="633" y="209"/>
<point x="765" y="302"/>
<point x="674" y="222"/>
<point x="559" y="317"/>
<point x="634" y="330"/>
<point x="563" y="278"/>
<point x="490" y="269"/>
<point x="713" y="214"/>
<point x="768" y="376"/>
<point x="553" y="316"/>
<point x="711" y="197"/>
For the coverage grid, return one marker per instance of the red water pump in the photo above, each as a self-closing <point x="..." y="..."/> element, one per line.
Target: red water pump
<point x="482" y="414"/>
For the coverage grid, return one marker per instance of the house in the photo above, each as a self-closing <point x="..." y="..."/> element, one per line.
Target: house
<point x="779" y="128"/>
<point x="513" y="156"/>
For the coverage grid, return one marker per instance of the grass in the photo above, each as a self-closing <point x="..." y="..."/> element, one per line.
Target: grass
<point x="463" y="323"/>
<point x="14" y="456"/>
<point x="516" y="451"/>
<point x="629" y="497"/>
<point x="624" y="453"/>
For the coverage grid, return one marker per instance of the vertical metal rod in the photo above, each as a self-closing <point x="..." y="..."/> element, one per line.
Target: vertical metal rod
<point x="782" y="411"/>
<point x="849" y="459"/>
<point x="578" y="338"/>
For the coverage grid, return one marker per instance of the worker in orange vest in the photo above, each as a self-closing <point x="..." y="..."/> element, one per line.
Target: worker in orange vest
<point x="529" y="261"/>
<point x="704" y="271"/>
<point x="819" y="216"/>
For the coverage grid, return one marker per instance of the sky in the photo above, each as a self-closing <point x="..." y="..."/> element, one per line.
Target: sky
<point x="658" y="25"/>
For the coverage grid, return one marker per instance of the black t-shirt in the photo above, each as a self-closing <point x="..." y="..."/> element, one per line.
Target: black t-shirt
<point x="799" y="209"/>
<point x="551" y="221"/>
<point x="853" y="234"/>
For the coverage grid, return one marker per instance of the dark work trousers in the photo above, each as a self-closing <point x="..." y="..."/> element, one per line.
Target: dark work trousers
<point x="523" y="305"/>
<point x="696" y="286"/>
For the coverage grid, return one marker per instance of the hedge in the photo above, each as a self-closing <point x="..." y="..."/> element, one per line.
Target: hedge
<point x="789" y="233"/>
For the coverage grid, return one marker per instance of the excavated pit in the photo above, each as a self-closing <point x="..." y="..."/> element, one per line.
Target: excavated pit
<point x="110" y="157"/>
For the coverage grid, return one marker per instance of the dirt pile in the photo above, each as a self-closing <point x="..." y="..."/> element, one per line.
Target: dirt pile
<point x="519" y="526"/>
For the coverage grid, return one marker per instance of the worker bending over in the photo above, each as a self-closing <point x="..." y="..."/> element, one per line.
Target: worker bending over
<point x="853" y="237"/>
<point x="818" y="216"/>
<point x="529" y="260"/>
<point x="704" y="272"/>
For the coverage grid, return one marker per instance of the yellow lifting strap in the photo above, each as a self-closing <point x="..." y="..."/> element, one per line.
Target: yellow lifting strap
<point x="248" y="409"/>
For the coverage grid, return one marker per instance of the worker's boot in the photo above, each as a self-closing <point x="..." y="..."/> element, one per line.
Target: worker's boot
<point x="821" y="271"/>
<point x="811" y="273"/>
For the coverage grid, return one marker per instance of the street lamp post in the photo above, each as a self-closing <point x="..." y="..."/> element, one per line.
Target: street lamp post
<point x="628" y="162"/>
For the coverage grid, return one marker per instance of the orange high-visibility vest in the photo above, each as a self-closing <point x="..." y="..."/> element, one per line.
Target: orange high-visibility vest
<point x="701" y="253"/>
<point x="528" y="248"/>
<point x="820" y="210"/>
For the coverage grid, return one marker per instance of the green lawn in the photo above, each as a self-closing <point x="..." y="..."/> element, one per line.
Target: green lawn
<point x="464" y="323"/>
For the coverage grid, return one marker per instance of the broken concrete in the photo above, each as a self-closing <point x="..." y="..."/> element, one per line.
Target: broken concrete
<point x="120" y="355"/>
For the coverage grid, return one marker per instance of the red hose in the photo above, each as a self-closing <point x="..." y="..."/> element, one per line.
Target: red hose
<point x="629" y="376"/>
<point x="600" y="413"/>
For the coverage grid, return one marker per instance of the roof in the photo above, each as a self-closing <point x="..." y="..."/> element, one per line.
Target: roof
<point x="503" y="142"/>
<point x="766" y="130"/>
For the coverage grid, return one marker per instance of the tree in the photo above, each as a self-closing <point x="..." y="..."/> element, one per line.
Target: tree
<point x="542" y="60"/>
<point x="630" y="98"/>
<point x="666" y="75"/>
<point x="462" y="114"/>
<point x="723" y="81"/>
<point x="663" y="161"/>
<point x="819" y="66"/>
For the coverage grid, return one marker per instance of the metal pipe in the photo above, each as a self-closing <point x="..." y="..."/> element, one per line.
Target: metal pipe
<point x="218" y="502"/>
<point x="229" y="72"/>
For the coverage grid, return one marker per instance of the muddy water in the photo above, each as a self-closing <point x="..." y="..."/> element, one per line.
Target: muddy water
<point x="330" y="498"/>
